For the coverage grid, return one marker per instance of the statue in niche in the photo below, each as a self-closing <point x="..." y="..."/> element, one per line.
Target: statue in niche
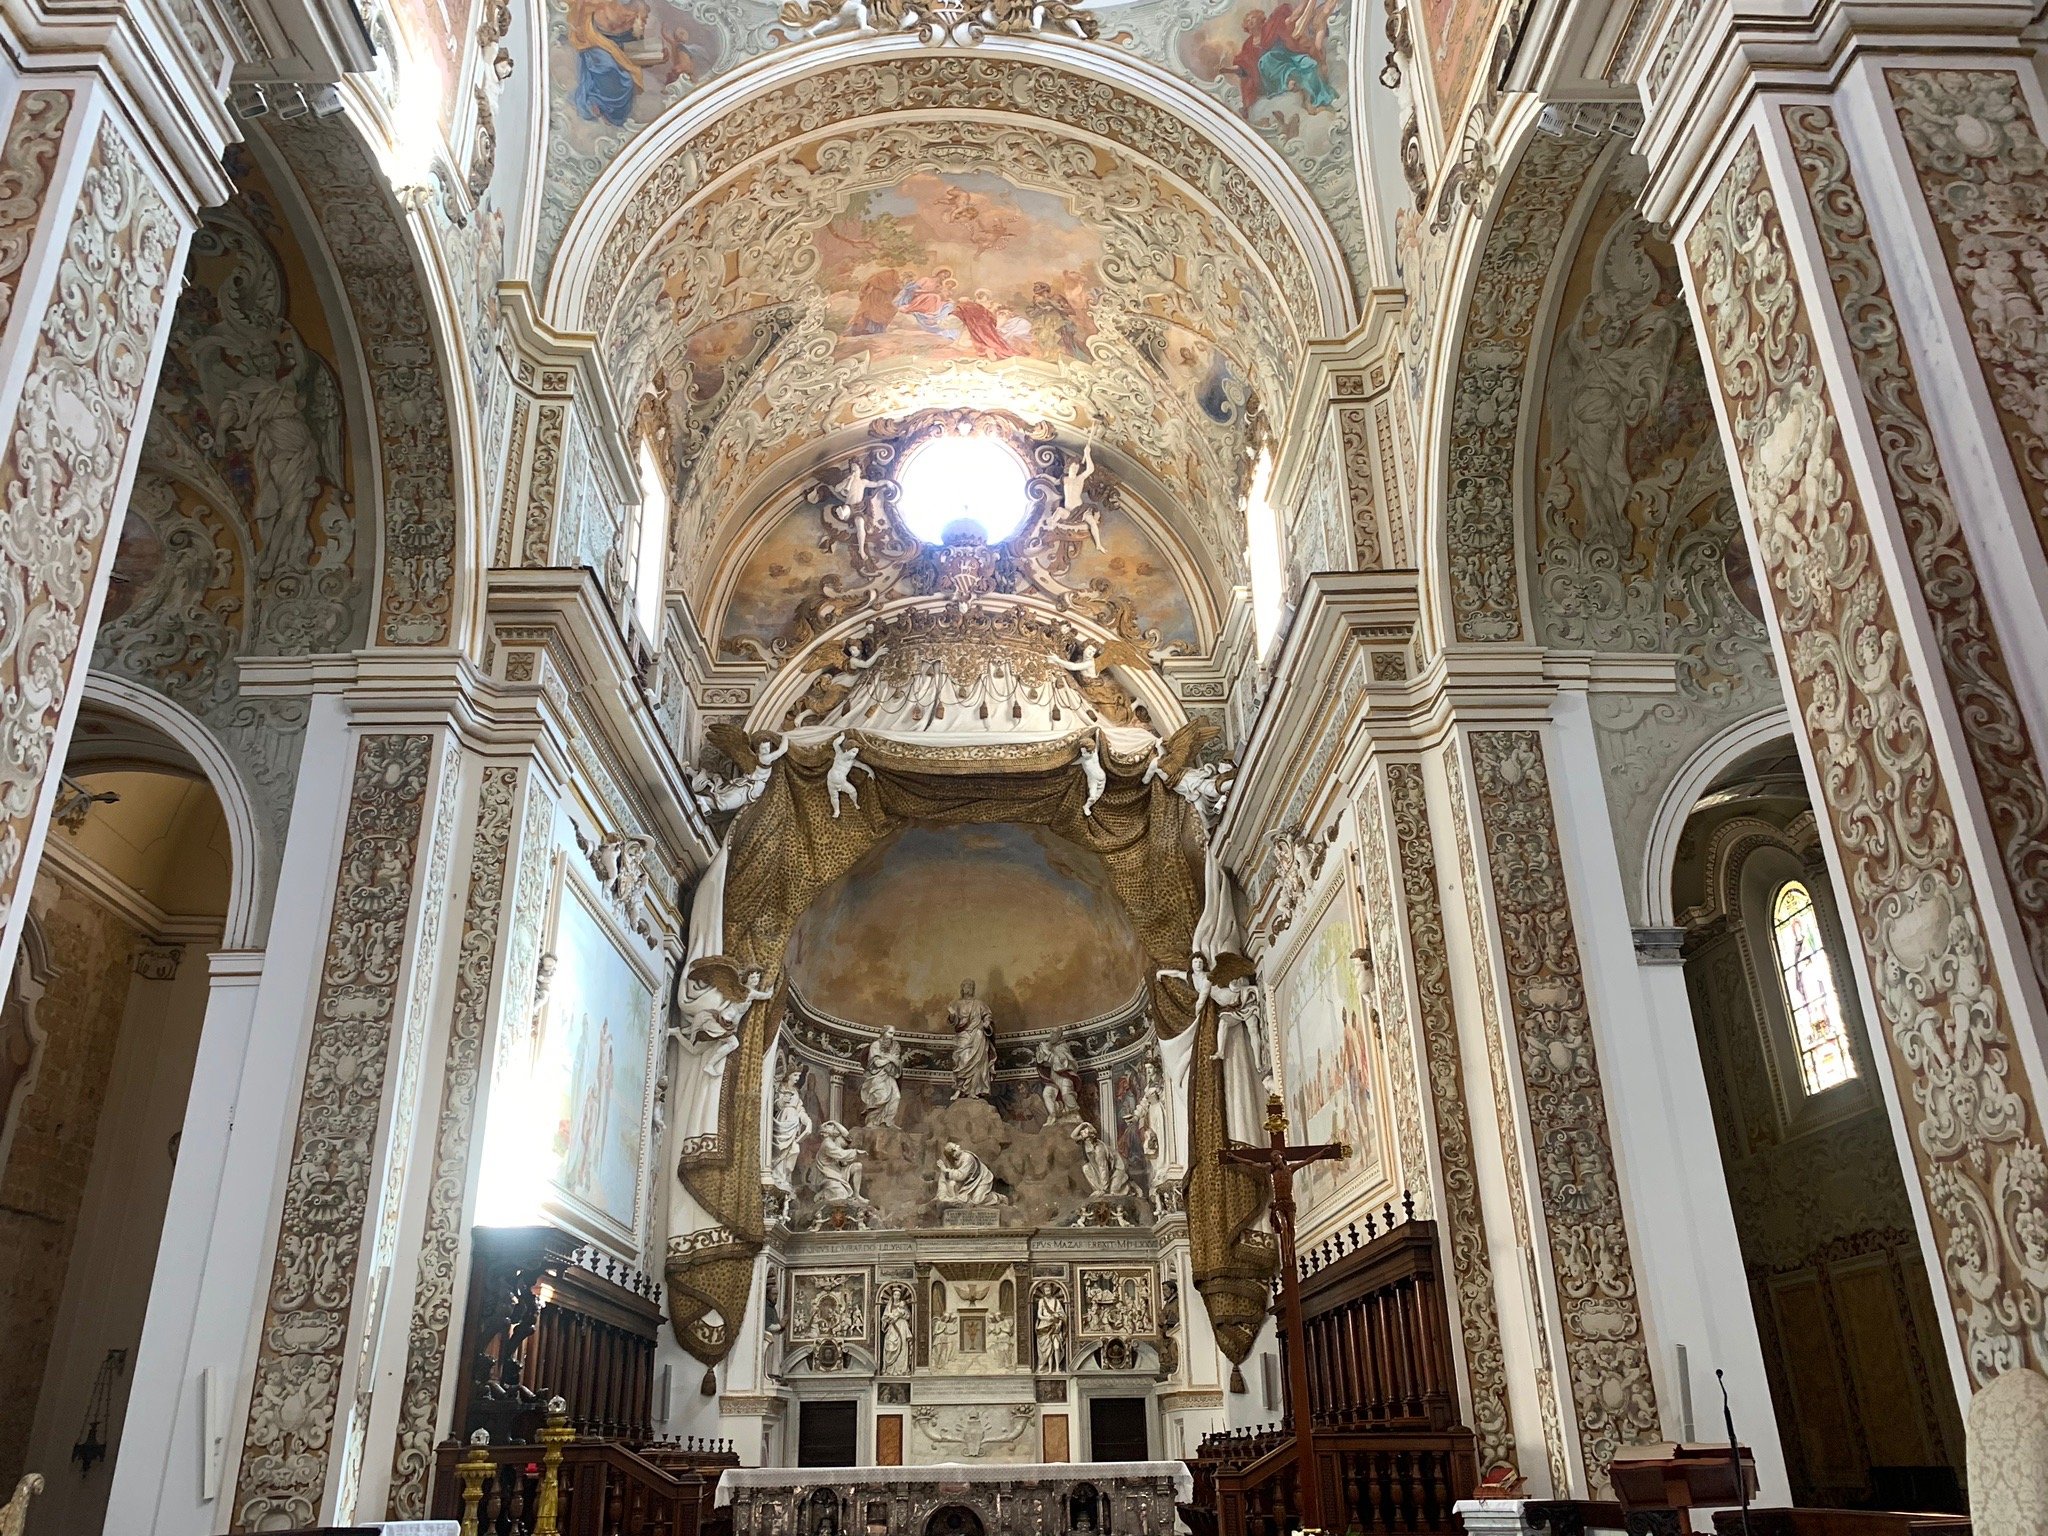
<point x="964" y="1179"/>
<point x="1002" y="1339"/>
<point x="791" y="1123"/>
<point x="974" y="1044"/>
<point x="1060" y="1079"/>
<point x="881" y="1094"/>
<point x="1049" y="1328"/>
<point x="712" y="997"/>
<point x="837" y="1167"/>
<point x="839" y="777"/>
<point x="1101" y="1164"/>
<point x="1155" y="1117"/>
<point x="896" y="1330"/>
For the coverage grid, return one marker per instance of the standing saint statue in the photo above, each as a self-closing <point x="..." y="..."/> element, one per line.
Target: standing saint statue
<point x="790" y="1125"/>
<point x="881" y="1095"/>
<point x="1049" y="1329"/>
<point x="1059" y="1079"/>
<point x="974" y="1044"/>
<point x="896" y="1330"/>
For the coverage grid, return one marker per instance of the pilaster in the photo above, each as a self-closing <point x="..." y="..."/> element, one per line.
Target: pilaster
<point x="1861" y="242"/>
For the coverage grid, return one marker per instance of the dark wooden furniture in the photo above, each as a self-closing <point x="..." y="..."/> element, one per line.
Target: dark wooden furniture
<point x="1389" y="1451"/>
<point x="550" y="1316"/>
<point x="1840" y="1522"/>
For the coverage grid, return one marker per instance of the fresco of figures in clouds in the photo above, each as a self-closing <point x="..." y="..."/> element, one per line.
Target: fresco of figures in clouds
<point x="614" y="66"/>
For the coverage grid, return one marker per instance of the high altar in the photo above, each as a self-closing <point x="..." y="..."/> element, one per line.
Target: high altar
<point x="1117" y="1498"/>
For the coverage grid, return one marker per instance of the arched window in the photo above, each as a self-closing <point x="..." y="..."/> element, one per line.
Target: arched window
<point x="650" y="546"/>
<point x="1818" y="1029"/>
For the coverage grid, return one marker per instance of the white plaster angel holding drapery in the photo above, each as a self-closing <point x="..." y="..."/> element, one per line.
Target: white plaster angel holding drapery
<point x="1234" y="990"/>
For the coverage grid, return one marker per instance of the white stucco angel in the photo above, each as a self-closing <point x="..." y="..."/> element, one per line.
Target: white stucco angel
<point x="839" y="777"/>
<point x="712" y="996"/>
<point x="847" y="502"/>
<point x="1092" y="771"/>
<point x="1175" y="763"/>
<point x="745" y="787"/>
<point x="1097" y="657"/>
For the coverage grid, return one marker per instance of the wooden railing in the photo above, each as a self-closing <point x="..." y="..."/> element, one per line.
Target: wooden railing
<point x="1390" y="1454"/>
<point x="601" y="1488"/>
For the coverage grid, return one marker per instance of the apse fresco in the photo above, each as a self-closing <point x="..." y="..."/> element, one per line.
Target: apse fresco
<point x="1332" y="1085"/>
<point x="1029" y="918"/>
<point x="960" y="265"/>
<point x="620" y="63"/>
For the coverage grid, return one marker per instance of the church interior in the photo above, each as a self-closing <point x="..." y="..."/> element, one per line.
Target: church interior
<point x="1023" y="767"/>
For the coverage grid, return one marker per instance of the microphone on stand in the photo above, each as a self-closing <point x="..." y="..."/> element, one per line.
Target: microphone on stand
<point x="1734" y="1451"/>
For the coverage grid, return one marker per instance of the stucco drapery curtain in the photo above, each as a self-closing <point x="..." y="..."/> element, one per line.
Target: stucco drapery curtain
<point x="786" y="847"/>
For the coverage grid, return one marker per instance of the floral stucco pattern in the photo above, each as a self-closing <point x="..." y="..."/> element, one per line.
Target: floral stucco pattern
<point x="1913" y="899"/>
<point x="327" y="1195"/>
<point x="1606" y="1354"/>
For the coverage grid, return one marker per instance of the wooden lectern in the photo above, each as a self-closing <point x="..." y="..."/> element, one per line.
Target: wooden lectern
<point x="1677" y="1478"/>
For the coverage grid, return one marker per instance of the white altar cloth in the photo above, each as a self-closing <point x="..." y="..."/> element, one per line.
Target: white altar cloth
<point x="958" y="1472"/>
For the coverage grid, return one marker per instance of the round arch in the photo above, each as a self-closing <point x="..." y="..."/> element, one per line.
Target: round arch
<point x="1709" y="762"/>
<point x="118" y="696"/>
<point x="710" y="135"/>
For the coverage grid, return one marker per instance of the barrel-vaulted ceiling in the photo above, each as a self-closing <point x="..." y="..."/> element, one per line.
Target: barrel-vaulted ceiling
<point x="907" y="227"/>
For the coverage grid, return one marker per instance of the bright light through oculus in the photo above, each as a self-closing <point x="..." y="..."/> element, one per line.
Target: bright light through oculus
<point x="954" y="479"/>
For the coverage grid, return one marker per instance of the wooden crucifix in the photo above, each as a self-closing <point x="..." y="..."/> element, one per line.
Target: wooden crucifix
<point x="1277" y="1160"/>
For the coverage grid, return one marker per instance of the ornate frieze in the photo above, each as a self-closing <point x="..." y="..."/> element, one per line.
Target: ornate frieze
<point x="1486" y="399"/>
<point x="1917" y="914"/>
<point x="294" y="1401"/>
<point x="441" y="1240"/>
<point x="1606" y="1355"/>
<point x="1436" y="1020"/>
<point x="68" y="444"/>
<point x="2007" y="763"/>
<point x="1510" y="1140"/>
<point x="416" y="446"/>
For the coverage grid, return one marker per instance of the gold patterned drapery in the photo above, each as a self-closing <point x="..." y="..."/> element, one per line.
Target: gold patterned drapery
<point x="787" y="847"/>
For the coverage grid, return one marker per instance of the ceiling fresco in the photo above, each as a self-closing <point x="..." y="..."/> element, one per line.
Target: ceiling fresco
<point x="872" y="272"/>
<point x="1027" y="917"/>
<point x="615" y="66"/>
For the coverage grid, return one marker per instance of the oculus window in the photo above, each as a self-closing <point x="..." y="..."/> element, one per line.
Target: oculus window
<point x="955" y="479"/>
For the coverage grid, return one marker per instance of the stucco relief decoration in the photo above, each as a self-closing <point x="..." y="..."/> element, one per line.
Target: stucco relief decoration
<point x="1606" y="1355"/>
<point x="33" y="138"/>
<point x="942" y="21"/>
<point x="1486" y="399"/>
<point x="1492" y="1025"/>
<point x="419" y="522"/>
<point x="1983" y="169"/>
<point x="1472" y="1262"/>
<point x="294" y="1400"/>
<point x="1979" y="676"/>
<point x="67" y="446"/>
<point x="1916" y="913"/>
<point x="441" y="1240"/>
<point x="1383" y="944"/>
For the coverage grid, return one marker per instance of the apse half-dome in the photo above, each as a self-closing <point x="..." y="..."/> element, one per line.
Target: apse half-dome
<point x="1031" y="919"/>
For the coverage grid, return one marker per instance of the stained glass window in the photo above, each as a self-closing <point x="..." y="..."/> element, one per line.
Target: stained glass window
<point x="1818" y="1030"/>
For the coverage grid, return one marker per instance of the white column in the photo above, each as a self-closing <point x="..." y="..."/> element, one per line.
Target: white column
<point x="1681" y="1227"/>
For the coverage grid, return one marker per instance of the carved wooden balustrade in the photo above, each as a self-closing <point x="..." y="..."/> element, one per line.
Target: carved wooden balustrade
<point x="603" y="1488"/>
<point x="1389" y="1450"/>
